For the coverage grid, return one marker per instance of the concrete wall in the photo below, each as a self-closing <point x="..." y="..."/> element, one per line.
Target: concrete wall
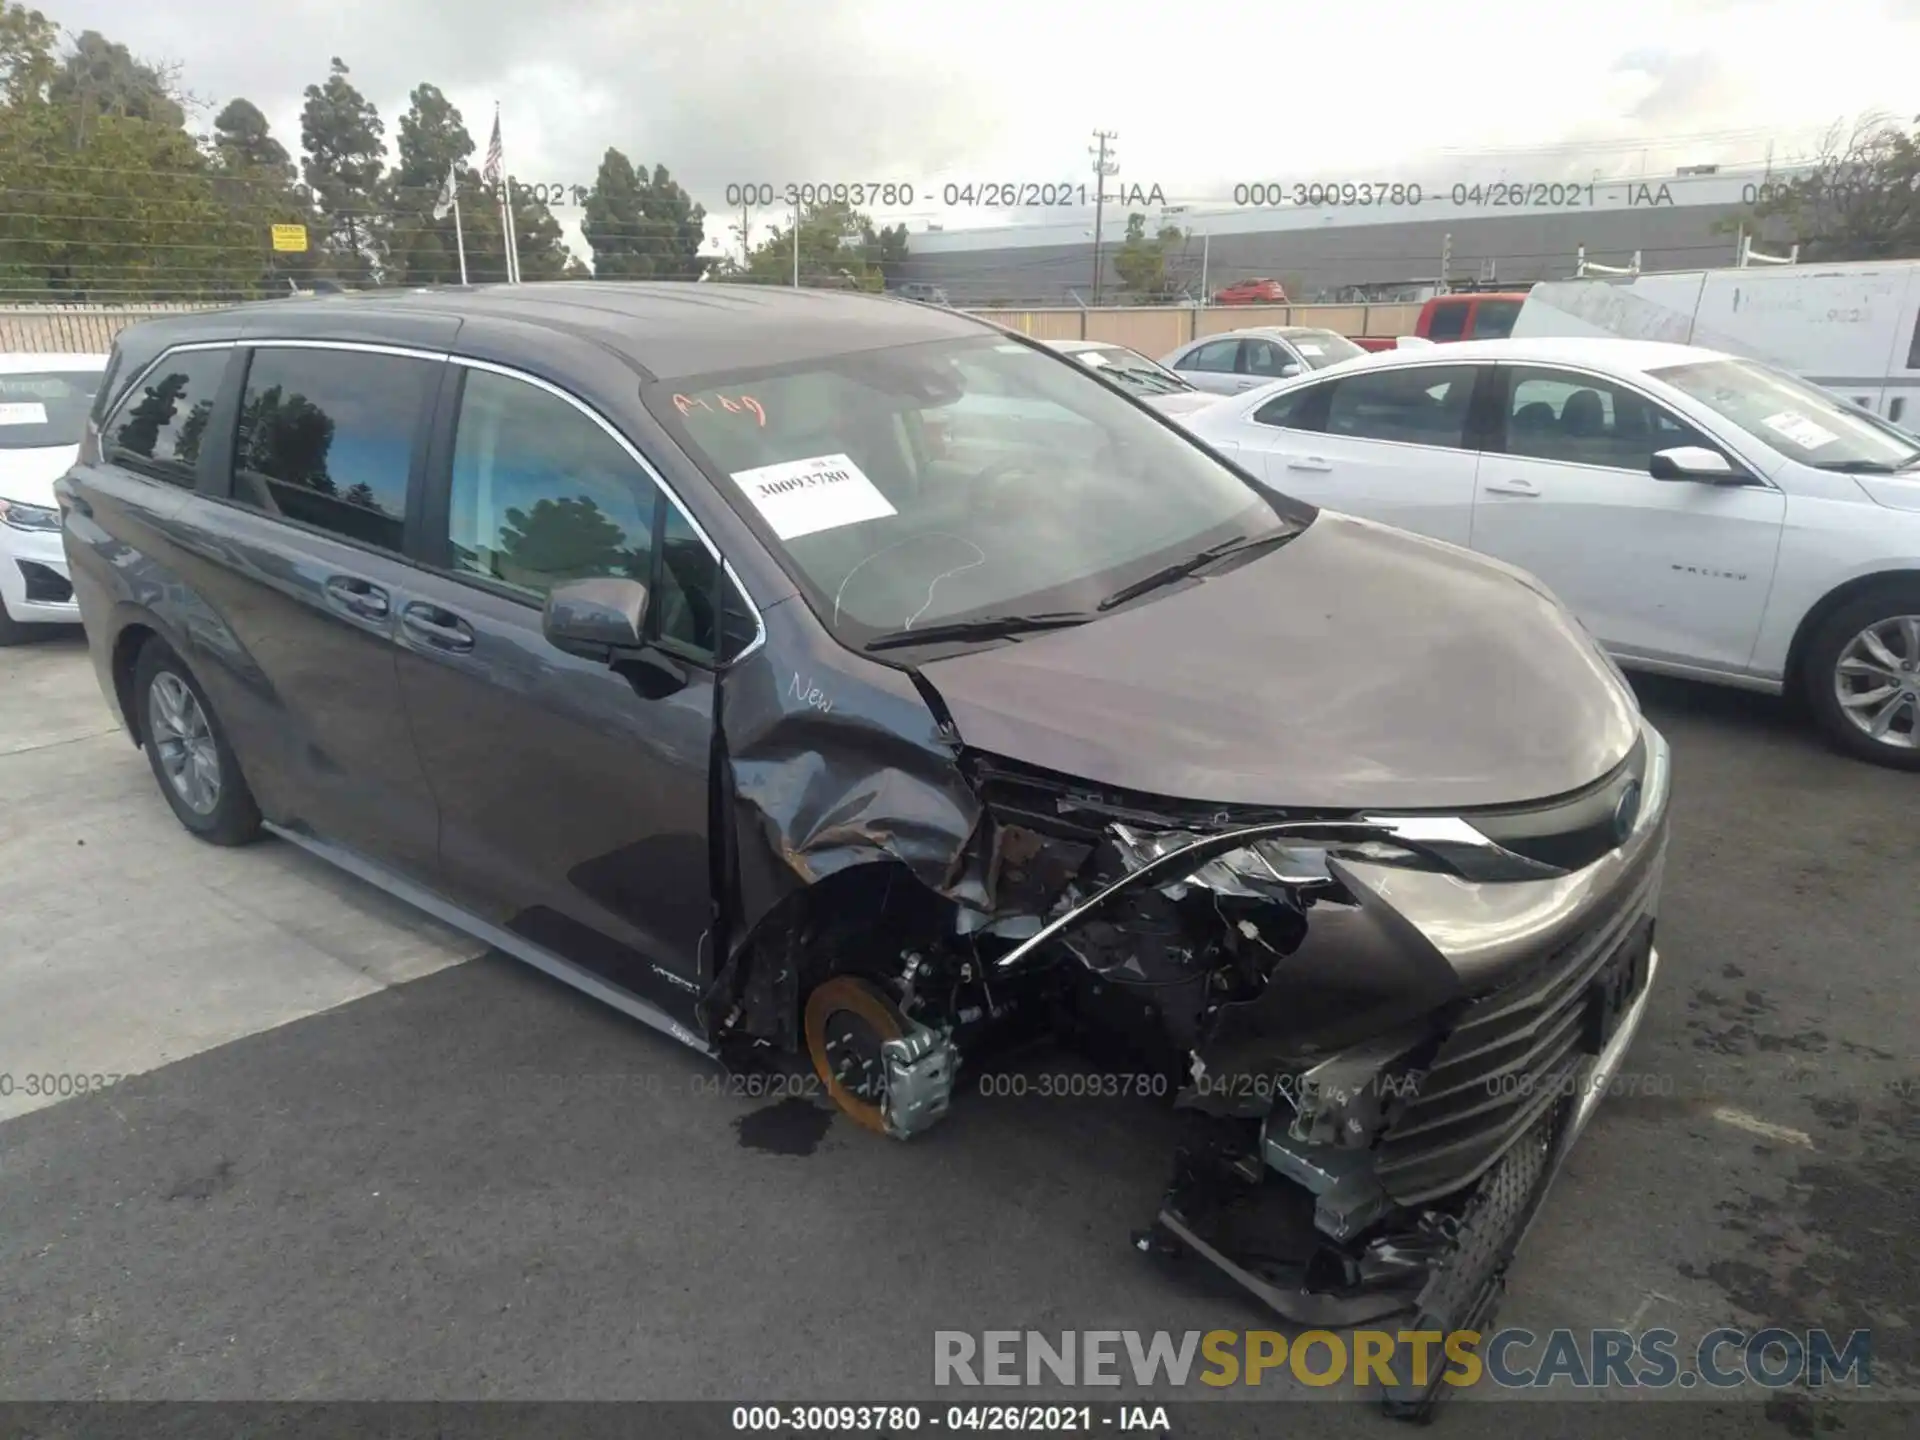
<point x="1317" y="262"/>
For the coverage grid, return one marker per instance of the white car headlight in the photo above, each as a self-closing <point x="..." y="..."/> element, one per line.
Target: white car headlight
<point x="19" y="516"/>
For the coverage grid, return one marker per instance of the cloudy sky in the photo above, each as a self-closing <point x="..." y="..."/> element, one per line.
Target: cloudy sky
<point x="1202" y="93"/>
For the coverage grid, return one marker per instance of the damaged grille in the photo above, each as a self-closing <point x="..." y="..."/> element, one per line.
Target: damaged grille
<point x="1508" y="1057"/>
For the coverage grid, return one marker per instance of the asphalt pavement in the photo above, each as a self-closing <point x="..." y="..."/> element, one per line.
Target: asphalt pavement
<point x="349" y="1157"/>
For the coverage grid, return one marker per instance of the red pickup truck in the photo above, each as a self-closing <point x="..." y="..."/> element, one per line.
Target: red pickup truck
<point x="1471" y="315"/>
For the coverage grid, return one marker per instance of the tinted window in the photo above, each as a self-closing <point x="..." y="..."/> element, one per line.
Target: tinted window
<point x="1554" y="415"/>
<point x="1216" y="356"/>
<point x="542" y="494"/>
<point x="159" y="428"/>
<point x="1913" y="350"/>
<point x="1290" y="411"/>
<point x="1416" y="405"/>
<point x="326" y="439"/>
<point x="1447" y="321"/>
<point x="1493" y="320"/>
<point x="45" y="407"/>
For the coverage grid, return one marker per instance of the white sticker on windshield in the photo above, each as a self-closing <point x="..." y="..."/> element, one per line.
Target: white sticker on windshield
<point x="1093" y="358"/>
<point x="23" y="412"/>
<point x="1306" y="349"/>
<point x="798" y="497"/>
<point x="1800" y="430"/>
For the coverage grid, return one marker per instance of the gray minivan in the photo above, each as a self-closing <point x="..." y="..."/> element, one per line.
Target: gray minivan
<point x="710" y="651"/>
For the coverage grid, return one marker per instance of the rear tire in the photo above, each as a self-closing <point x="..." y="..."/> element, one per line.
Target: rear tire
<point x="188" y="751"/>
<point x="1862" y="676"/>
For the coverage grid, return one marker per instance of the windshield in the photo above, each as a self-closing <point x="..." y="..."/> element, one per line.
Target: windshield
<point x="1801" y="421"/>
<point x="937" y="482"/>
<point x="1321" y="348"/>
<point x="1135" y="372"/>
<point x="41" y="408"/>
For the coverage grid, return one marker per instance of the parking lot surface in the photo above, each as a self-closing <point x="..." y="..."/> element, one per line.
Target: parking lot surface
<point x="350" y="1157"/>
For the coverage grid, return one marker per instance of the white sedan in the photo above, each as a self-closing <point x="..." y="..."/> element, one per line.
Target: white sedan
<point x="1705" y="516"/>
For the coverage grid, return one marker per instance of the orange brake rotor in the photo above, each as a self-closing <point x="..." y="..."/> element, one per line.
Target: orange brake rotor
<point x="862" y="999"/>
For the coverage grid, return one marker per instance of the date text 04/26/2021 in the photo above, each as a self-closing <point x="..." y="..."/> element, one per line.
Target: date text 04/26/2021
<point x="908" y="1419"/>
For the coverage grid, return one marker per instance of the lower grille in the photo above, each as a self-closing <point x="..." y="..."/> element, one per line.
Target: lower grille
<point x="45" y="585"/>
<point x="1508" y="1057"/>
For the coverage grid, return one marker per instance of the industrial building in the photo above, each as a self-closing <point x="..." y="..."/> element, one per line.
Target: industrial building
<point x="1504" y="231"/>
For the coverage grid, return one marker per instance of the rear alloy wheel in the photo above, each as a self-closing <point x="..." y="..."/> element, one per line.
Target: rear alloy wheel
<point x="1863" y="674"/>
<point x="848" y="1020"/>
<point x="188" y="751"/>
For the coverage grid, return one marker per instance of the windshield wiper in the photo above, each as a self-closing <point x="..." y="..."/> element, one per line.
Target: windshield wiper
<point x="1180" y="569"/>
<point x="1867" y="467"/>
<point x="981" y="627"/>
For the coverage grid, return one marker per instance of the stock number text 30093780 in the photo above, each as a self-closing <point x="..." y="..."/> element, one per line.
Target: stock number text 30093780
<point x="1499" y="194"/>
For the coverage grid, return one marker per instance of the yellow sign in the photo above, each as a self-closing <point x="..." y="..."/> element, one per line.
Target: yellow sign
<point x="290" y="237"/>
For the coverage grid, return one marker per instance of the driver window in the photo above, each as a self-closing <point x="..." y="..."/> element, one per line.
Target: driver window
<point x="1584" y="420"/>
<point x="1266" y="358"/>
<point x="541" y="494"/>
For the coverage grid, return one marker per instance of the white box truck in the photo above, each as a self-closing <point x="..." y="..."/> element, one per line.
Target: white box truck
<point x="1853" y="328"/>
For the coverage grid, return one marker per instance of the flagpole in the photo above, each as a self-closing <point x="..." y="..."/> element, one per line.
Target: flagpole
<point x="459" y="237"/>
<point x="513" y="238"/>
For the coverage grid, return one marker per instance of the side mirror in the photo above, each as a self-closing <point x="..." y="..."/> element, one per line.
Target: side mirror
<point x="594" y="618"/>
<point x="1290" y="369"/>
<point x="1693" y="462"/>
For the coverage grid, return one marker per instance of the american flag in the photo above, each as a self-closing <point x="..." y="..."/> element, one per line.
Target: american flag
<point x="491" y="173"/>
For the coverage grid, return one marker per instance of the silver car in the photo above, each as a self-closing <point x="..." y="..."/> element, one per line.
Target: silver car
<point x="1154" y="384"/>
<point x="1242" y="359"/>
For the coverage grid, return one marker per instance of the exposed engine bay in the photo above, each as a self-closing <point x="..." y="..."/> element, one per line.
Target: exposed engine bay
<point x="1366" y="1132"/>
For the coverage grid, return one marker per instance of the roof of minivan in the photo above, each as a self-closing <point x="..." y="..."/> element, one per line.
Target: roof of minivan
<point x="667" y="330"/>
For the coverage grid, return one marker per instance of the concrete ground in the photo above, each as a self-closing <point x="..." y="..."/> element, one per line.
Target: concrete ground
<point x="347" y="1157"/>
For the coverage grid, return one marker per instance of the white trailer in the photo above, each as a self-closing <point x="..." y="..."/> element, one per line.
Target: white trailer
<point x="1854" y="328"/>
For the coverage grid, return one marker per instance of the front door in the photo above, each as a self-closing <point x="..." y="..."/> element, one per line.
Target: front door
<point x="1661" y="569"/>
<point x="573" y="796"/>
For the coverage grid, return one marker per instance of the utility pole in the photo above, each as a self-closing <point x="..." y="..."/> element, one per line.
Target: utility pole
<point x="796" y="249"/>
<point x="746" y="247"/>
<point x="1446" y="261"/>
<point x="1104" y="164"/>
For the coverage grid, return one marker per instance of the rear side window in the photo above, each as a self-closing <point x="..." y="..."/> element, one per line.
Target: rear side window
<point x="1913" y="350"/>
<point x="1291" y="411"/>
<point x="327" y="437"/>
<point x="1447" y="321"/>
<point x="1493" y="319"/>
<point x="1415" y="405"/>
<point x="1216" y="357"/>
<point x="159" y="427"/>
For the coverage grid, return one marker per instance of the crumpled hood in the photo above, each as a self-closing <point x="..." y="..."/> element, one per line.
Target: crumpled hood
<point x="28" y="475"/>
<point x="1356" y="666"/>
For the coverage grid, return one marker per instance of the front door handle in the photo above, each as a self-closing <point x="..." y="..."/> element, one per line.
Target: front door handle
<point x="1307" y="462"/>
<point x="1246" y="383"/>
<point x="357" y="597"/>
<point x="440" y="629"/>
<point x="1513" y="487"/>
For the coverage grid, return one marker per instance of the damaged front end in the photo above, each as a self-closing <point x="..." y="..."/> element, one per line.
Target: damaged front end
<point x="1384" y="1032"/>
